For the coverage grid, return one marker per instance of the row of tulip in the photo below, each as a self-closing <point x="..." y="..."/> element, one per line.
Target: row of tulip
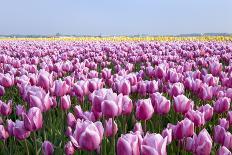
<point x="115" y="97"/>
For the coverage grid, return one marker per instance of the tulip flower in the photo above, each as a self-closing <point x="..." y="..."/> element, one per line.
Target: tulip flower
<point x="160" y="104"/>
<point x="224" y="123"/>
<point x="128" y="144"/>
<point x="176" y="89"/>
<point x="138" y="128"/>
<point x="69" y="149"/>
<point x="45" y="80"/>
<point x="196" y="117"/>
<point x="124" y="87"/>
<point x="2" y="90"/>
<point x="183" y="129"/>
<point x="144" y="109"/>
<point x="65" y="102"/>
<point x="153" y="144"/>
<point x="19" y="130"/>
<point x="87" y="135"/>
<point x="20" y="109"/>
<point x="200" y="144"/>
<point x="3" y="133"/>
<point x="10" y="125"/>
<point x="71" y="120"/>
<point x="61" y="88"/>
<point x="207" y="110"/>
<point x="182" y="104"/>
<point x="223" y="151"/>
<point x="222" y="105"/>
<point x="127" y="105"/>
<point x="33" y="120"/>
<point x="6" y="109"/>
<point x="205" y="92"/>
<point x="111" y="128"/>
<point x="47" y="148"/>
<point x="229" y="117"/>
<point x="167" y="133"/>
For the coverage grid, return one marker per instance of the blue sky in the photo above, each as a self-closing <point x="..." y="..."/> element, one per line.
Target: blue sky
<point x="115" y="17"/>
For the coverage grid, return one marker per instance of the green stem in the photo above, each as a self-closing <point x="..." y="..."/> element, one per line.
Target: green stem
<point x="36" y="149"/>
<point x="26" y="146"/>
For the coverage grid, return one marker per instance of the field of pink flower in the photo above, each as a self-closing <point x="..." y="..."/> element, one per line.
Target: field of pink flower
<point x="124" y="98"/>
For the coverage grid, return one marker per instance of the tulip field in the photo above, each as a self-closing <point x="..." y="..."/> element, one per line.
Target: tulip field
<point x="128" y="96"/>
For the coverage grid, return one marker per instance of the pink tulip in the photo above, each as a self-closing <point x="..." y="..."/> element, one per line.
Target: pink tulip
<point x="200" y="144"/>
<point x="196" y="117"/>
<point x="142" y="88"/>
<point x="207" y="110"/>
<point x="167" y="133"/>
<point x="183" y="129"/>
<point x="154" y="144"/>
<point x="205" y="92"/>
<point x="69" y="149"/>
<point x="7" y="80"/>
<point x="128" y="144"/>
<point x="87" y="135"/>
<point x="182" y="104"/>
<point x="127" y="105"/>
<point x="138" y="128"/>
<point x="222" y="105"/>
<point x="223" y="151"/>
<point x="160" y="71"/>
<point x="61" y="88"/>
<point x="45" y="80"/>
<point x="229" y="117"/>
<point x="224" y="123"/>
<point x="106" y="73"/>
<point x="153" y="86"/>
<point x="215" y="68"/>
<point x="144" y="109"/>
<point x="20" y="109"/>
<point x="112" y="105"/>
<point x="33" y="120"/>
<point x="65" y="102"/>
<point x="20" y="131"/>
<point x="97" y="97"/>
<point x="2" y="90"/>
<point x="10" y="126"/>
<point x="110" y="128"/>
<point x="47" y="148"/>
<point x="160" y="104"/>
<point x="124" y="87"/>
<point x="3" y="133"/>
<point x="71" y="120"/>
<point x="68" y="131"/>
<point x="6" y="109"/>
<point x="177" y="89"/>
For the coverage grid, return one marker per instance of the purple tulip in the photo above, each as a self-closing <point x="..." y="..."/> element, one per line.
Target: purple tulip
<point x="71" y="120"/>
<point x="3" y="133"/>
<point x="128" y="144"/>
<point x="6" y="109"/>
<point x="111" y="128"/>
<point x="124" y="87"/>
<point x="215" y="68"/>
<point x="61" y="88"/>
<point x="127" y="105"/>
<point x="33" y="120"/>
<point x="87" y="135"/>
<point x="10" y="125"/>
<point x="138" y="128"/>
<point x="154" y="144"/>
<point x="222" y="105"/>
<point x="153" y="86"/>
<point x="229" y="117"/>
<point x="2" y="90"/>
<point x="20" y="109"/>
<point x="176" y="89"/>
<point x="167" y="133"/>
<point x="144" y="109"/>
<point x="112" y="105"/>
<point x="224" y="123"/>
<point x="200" y="144"/>
<point x="160" y="104"/>
<point x="20" y="131"/>
<point x="183" y="129"/>
<point x="223" y="151"/>
<point x="205" y="92"/>
<point x="45" y="80"/>
<point x="196" y="117"/>
<point x="47" y="148"/>
<point x="182" y="104"/>
<point x="69" y="149"/>
<point x="65" y="102"/>
<point x="207" y="110"/>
